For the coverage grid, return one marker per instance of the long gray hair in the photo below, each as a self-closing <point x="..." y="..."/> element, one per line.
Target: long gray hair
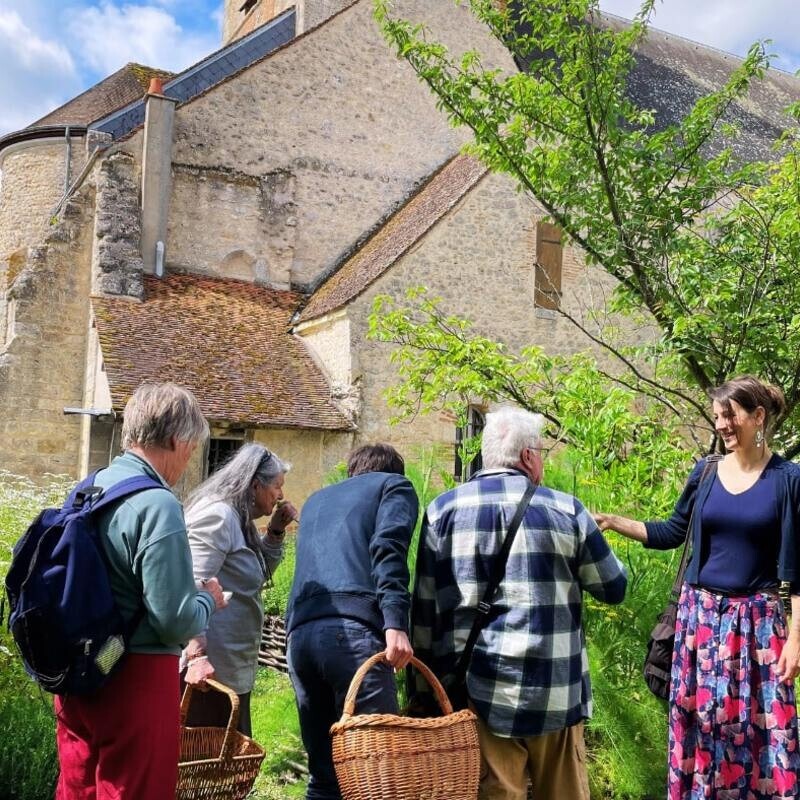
<point x="233" y="482"/>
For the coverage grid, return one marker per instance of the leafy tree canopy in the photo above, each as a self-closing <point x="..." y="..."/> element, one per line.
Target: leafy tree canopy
<point x="699" y="241"/>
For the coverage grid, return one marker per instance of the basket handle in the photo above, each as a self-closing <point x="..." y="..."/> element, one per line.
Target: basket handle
<point x="226" y="753"/>
<point x="355" y="684"/>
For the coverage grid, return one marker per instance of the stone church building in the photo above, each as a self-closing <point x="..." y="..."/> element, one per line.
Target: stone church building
<point x="228" y="228"/>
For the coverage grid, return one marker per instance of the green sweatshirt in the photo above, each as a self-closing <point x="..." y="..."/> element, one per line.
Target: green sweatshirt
<point x="145" y="543"/>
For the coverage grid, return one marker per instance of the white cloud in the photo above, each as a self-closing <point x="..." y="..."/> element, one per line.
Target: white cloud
<point x="109" y="35"/>
<point x="730" y="25"/>
<point x="37" y="73"/>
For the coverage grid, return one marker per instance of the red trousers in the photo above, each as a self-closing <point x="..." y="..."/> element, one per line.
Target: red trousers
<point x="122" y="742"/>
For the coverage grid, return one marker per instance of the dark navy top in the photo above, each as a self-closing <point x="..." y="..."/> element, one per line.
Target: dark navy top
<point x="741" y="537"/>
<point x="672" y="532"/>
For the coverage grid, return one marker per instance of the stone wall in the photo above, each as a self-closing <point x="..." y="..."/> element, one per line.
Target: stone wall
<point x="42" y="366"/>
<point x="240" y="226"/>
<point x="34" y="171"/>
<point x="348" y="124"/>
<point x="315" y="12"/>
<point x="117" y="266"/>
<point x="480" y="260"/>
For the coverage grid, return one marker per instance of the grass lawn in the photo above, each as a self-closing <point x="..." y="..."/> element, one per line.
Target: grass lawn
<point x="276" y="728"/>
<point x="626" y="739"/>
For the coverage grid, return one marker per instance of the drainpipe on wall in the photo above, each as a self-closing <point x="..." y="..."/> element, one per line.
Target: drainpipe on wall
<point x="68" y="140"/>
<point x="156" y="174"/>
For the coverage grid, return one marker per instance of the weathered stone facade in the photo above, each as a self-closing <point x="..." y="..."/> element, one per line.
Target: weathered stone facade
<point x="279" y="174"/>
<point x="42" y="365"/>
<point x="117" y="267"/>
<point x="234" y="225"/>
<point x="36" y="171"/>
<point x="346" y="123"/>
<point x="480" y="260"/>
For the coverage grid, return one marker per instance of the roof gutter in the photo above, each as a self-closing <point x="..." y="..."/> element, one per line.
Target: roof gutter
<point x="44" y="132"/>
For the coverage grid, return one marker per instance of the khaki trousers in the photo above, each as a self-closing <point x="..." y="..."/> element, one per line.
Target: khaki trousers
<point x="554" y="762"/>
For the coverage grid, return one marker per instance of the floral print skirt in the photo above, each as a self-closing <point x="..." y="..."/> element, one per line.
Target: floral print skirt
<point x="732" y="723"/>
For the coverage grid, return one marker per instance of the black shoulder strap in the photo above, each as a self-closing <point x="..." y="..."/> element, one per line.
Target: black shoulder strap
<point x="498" y="571"/>
<point x="709" y="468"/>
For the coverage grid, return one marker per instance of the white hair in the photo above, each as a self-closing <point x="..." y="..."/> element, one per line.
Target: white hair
<point x="508" y="431"/>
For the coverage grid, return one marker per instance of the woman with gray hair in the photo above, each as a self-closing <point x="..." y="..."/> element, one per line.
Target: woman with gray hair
<point x="225" y="544"/>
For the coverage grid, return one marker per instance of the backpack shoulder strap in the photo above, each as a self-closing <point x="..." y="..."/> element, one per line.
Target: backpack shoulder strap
<point x="123" y="489"/>
<point x="81" y="487"/>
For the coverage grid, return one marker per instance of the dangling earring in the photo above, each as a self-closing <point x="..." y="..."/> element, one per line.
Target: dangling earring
<point x="759" y="438"/>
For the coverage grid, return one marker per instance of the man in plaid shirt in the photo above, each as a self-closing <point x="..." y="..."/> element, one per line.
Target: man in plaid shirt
<point x="528" y="678"/>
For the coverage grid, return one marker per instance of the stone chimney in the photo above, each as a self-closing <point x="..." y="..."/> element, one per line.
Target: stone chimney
<point x="156" y="175"/>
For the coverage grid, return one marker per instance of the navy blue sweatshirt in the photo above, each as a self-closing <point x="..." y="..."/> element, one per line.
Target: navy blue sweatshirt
<point x="352" y="550"/>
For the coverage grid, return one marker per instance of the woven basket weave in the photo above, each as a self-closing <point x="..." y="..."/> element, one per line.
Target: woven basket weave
<point x="388" y="757"/>
<point x="216" y="763"/>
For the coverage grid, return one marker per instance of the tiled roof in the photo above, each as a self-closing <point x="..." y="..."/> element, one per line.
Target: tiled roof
<point x="124" y="86"/>
<point x="671" y="73"/>
<point x="226" y="340"/>
<point x="206" y="73"/>
<point x="396" y="236"/>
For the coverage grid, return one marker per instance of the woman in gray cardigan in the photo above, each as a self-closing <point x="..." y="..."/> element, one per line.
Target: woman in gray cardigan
<point x="226" y="545"/>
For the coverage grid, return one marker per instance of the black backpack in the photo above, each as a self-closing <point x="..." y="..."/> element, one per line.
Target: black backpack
<point x="63" y="615"/>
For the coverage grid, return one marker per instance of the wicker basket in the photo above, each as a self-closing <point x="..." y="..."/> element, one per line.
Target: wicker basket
<point x="387" y="757"/>
<point x="216" y="763"/>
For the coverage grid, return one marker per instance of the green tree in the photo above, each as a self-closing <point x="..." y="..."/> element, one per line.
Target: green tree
<point x="699" y="242"/>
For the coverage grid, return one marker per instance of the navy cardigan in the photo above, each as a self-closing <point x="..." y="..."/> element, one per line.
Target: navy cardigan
<point x="671" y="533"/>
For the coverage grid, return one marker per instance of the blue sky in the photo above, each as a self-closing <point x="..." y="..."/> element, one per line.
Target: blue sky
<point x="51" y="50"/>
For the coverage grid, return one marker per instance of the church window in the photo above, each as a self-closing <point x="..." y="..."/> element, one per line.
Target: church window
<point x="467" y="445"/>
<point x="549" y="255"/>
<point x="247" y="5"/>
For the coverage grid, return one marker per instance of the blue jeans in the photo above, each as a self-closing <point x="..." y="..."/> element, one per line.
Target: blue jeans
<point x="323" y="655"/>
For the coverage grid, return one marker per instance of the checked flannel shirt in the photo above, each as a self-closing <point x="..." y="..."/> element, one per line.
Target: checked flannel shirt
<point x="529" y="672"/>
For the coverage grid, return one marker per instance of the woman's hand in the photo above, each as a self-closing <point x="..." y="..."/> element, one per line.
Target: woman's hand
<point x="789" y="662"/>
<point x="284" y="514"/>
<point x="198" y="671"/>
<point x="630" y="528"/>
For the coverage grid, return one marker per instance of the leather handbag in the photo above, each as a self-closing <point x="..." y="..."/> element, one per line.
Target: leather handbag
<point x="455" y="684"/>
<point x="658" y="660"/>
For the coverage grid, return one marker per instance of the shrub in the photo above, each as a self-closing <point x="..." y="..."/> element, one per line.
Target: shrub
<point x="28" y="764"/>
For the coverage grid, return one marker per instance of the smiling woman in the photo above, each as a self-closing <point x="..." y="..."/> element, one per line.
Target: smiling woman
<point x="732" y="720"/>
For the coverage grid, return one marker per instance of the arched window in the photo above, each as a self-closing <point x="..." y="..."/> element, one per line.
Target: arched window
<point x="467" y="447"/>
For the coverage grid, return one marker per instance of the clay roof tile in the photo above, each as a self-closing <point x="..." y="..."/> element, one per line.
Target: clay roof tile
<point x="226" y="340"/>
